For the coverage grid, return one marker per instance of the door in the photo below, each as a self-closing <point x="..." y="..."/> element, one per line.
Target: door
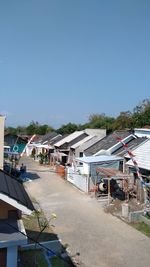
<point x="3" y="257"/>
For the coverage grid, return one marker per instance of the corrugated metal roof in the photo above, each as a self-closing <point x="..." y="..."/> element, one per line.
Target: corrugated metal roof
<point x="142" y="155"/>
<point x="12" y="188"/>
<point x="110" y="172"/>
<point x="69" y="138"/>
<point x="102" y="158"/>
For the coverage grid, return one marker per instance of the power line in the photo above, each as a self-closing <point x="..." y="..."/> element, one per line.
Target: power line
<point x="35" y="241"/>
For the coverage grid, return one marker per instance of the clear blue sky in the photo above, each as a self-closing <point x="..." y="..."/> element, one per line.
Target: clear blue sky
<point x="62" y="60"/>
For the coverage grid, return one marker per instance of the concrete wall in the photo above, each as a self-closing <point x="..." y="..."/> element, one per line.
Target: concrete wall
<point x="97" y="132"/>
<point x="79" y="180"/>
<point x="2" y="120"/>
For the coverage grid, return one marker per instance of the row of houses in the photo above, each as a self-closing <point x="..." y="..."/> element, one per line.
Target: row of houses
<point x="74" y="150"/>
<point x="83" y="152"/>
<point x="85" y="155"/>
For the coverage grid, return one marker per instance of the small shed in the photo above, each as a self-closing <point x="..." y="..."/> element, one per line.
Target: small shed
<point x="83" y="174"/>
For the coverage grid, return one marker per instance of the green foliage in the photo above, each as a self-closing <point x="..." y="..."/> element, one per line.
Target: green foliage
<point x="141" y="114"/>
<point x="101" y="121"/>
<point x="32" y="128"/>
<point x="57" y="262"/>
<point x="28" y="258"/>
<point x="36" y="128"/>
<point x="123" y="121"/>
<point x="43" y="129"/>
<point x="68" y="128"/>
<point x="142" y="227"/>
<point x="21" y="130"/>
<point x="11" y="130"/>
<point x="140" y="117"/>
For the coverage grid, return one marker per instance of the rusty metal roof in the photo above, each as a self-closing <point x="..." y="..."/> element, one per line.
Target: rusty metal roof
<point x="111" y="173"/>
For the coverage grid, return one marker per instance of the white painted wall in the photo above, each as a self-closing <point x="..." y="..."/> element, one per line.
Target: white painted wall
<point x="79" y="180"/>
<point x="142" y="132"/>
<point x="2" y="121"/>
<point x="96" y="132"/>
<point x="86" y="168"/>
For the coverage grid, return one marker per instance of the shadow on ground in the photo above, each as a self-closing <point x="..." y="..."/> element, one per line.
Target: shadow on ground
<point x="45" y="236"/>
<point x="28" y="259"/>
<point x="39" y="231"/>
<point x="32" y="176"/>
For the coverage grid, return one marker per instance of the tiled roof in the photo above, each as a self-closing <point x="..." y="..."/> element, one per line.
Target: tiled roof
<point x="12" y="188"/>
<point x="90" y="142"/>
<point x="87" y="138"/>
<point x="48" y="136"/>
<point x="74" y="141"/>
<point x="56" y="139"/>
<point x="106" y="143"/>
<point x="69" y="138"/>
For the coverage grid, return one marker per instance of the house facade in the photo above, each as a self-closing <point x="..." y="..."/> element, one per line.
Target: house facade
<point x="13" y="202"/>
<point x="16" y="143"/>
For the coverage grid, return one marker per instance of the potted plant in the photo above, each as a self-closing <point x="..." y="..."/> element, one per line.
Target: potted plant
<point x="42" y="157"/>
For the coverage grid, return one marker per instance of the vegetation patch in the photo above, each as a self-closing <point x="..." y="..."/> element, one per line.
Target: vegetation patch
<point x="142" y="227"/>
<point x="57" y="262"/>
<point x="29" y="258"/>
<point x="147" y="215"/>
<point x="34" y="228"/>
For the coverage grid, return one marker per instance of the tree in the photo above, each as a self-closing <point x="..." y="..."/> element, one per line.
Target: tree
<point x="68" y="128"/>
<point x="43" y="129"/>
<point x="21" y="130"/>
<point x="123" y="121"/>
<point x="11" y="130"/>
<point x="101" y="121"/>
<point x="141" y="114"/>
<point x="32" y="128"/>
<point x="36" y="128"/>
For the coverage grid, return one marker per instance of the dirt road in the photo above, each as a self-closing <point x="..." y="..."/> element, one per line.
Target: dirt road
<point x="101" y="239"/>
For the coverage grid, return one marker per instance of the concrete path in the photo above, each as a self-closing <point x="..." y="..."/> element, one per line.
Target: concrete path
<point x="101" y="239"/>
